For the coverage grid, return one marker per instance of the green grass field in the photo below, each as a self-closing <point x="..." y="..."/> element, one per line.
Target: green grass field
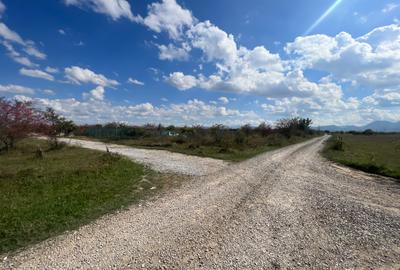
<point x="232" y="153"/>
<point x="40" y="198"/>
<point x="378" y="153"/>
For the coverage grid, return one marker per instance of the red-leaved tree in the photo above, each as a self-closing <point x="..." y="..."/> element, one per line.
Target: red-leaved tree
<point x="18" y="119"/>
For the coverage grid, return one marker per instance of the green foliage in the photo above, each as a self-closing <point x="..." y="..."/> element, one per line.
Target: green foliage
<point x="377" y="153"/>
<point x="217" y="141"/>
<point x="294" y="126"/>
<point x="337" y="144"/>
<point x="58" y="124"/>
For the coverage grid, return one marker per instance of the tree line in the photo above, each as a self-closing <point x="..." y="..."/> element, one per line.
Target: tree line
<point x="21" y="119"/>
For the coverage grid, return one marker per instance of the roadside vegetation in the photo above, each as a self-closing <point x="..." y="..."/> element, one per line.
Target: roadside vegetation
<point x="47" y="187"/>
<point x="371" y="152"/>
<point x="218" y="141"/>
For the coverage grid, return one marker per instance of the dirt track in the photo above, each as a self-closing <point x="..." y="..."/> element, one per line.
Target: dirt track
<point x="287" y="209"/>
<point x="159" y="160"/>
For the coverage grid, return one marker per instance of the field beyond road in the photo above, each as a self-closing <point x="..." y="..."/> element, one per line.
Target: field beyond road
<point x="68" y="187"/>
<point x="284" y="209"/>
<point x="376" y="153"/>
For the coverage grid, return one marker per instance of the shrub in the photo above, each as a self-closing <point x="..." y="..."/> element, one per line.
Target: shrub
<point x="264" y="129"/>
<point x="338" y="144"/>
<point x="275" y="139"/>
<point x="240" y="138"/>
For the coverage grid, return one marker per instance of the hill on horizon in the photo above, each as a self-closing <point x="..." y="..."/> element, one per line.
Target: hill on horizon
<point x="378" y="126"/>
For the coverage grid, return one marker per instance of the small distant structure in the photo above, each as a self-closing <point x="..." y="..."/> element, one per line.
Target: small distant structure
<point x="169" y="133"/>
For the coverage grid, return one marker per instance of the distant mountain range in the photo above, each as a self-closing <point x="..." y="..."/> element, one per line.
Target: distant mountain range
<point x="379" y="126"/>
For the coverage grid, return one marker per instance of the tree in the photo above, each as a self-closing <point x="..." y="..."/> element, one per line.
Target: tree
<point x="368" y="132"/>
<point x="246" y="129"/>
<point x="58" y="124"/>
<point x="18" y="119"/>
<point x="292" y="126"/>
<point x="264" y="129"/>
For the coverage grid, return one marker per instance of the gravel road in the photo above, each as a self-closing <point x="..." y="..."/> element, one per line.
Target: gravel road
<point x="286" y="209"/>
<point x="159" y="160"/>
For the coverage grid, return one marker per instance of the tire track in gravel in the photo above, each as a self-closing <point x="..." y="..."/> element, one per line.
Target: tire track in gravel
<point x="286" y="209"/>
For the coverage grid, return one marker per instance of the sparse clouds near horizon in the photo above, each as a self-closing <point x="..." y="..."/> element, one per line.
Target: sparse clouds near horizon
<point x="198" y="61"/>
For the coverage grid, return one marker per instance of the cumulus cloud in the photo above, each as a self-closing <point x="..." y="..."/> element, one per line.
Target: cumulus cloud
<point x="168" y="16"/>
<point x="214" y="42"/>
<point x="223" y="100"/>
<point x="194" y="111"/>
<point x="135" y="82"/>
<point x="384" y="97"/>
<point x="95" y="94"/>
<point x="115" y="9"/>
<point x="371" y="60"/>
<point x="80" y="75"/>
<point x="171" y="52"/>
<point x="182" y="81"/>
<point x="36" y="73"/>
<point x="16" y="89"/>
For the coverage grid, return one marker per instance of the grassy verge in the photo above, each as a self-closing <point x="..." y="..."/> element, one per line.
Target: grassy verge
<point x="40" y="198"/>
<point x="378" y="153"/>
<point x="231" y="153"/>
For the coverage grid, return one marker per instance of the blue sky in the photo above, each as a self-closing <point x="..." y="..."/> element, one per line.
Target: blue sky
<point x="204" y="62"/>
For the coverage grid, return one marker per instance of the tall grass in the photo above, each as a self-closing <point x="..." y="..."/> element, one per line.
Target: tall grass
<point x="374" y="153"/>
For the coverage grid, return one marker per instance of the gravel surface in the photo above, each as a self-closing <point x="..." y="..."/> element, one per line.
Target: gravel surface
<point x="286" y="209"/>
<point x="159" y="160"/>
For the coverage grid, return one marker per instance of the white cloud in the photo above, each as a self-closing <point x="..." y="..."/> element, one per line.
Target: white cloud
<point x="135" y="82"/>
<point x="390" y="7"/>
<point x="2" y="8"/>
<point x="80" y="75"/>
<point x="171" y="52"/>
<point x="168" y="16"/>
<point x="115" y="9"/>
<point x="51" y="70"/>
<point x="95" y="94"/>
<point x="215" y="43"/>
<point x="36" y="73"/>
<point x="371" y="60"/>
<point x="9" y="37"/>
<point x="7" y="34"/>
<point x="384" y="97"/>
<point x="32" y="51"/>
<point x="16" y="56"/>
<point x="182" y="81"/>
<point x="16" y="89"/>
<point x="49" y="92"/>
<point x="62" y="32"/>
<point x="194" y="111"/>
<point x="223" y="100"/>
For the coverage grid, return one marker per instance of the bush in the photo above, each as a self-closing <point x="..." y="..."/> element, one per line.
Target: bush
<point x="338" y="144"/>
<point x="240" y="138"/>
<point x="275" y="139"/>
